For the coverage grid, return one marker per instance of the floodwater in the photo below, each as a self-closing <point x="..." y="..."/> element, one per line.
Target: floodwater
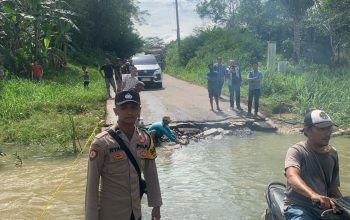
<point x="211" y="179"/>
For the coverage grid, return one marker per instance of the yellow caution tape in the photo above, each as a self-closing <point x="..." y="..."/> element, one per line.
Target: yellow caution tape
<point x="59" y="187"/>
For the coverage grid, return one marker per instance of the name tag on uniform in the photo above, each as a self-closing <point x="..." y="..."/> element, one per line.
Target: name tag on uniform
<point x="118" y="156"/>
<point x="114" y="149"/>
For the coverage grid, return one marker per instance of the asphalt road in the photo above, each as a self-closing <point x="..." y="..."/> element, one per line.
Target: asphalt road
<point x="180" y="100"/>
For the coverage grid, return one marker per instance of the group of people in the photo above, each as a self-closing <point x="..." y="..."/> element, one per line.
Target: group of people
<point x="216" y="77"/>
<point x="114" y="182"/>
<point x="122" y="76"/>
<point x="119" y="155"/>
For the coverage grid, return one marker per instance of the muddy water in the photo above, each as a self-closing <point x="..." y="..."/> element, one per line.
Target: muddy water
<point x="213" y="179"/>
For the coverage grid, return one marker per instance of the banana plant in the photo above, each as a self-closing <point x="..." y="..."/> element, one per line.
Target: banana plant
<point x="27" y="27"/>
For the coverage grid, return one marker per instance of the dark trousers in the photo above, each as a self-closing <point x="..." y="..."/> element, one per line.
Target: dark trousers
<point x="235" y="89"/>
<point x="220" y="85"/>
<point x="253" y="94"/>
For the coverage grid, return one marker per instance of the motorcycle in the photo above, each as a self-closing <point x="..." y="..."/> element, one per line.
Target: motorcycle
<point x="274" y="195"/>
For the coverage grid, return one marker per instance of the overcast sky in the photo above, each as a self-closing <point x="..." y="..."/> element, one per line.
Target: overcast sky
<point x="161" y="21"/>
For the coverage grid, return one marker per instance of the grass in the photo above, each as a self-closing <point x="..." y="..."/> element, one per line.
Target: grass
<point x="315" y="89"/>
<point x="292" y="93"/>
<point x="54" y="113"/>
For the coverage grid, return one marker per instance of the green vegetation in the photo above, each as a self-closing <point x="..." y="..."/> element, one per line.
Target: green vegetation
<point x="314" y="31"/>
<point x="50" y="31"/>
<point x="312" y="35"/>
<point x="313" y="89"/>
<point x="303" y="88"/>
<point x="59" y="111"/>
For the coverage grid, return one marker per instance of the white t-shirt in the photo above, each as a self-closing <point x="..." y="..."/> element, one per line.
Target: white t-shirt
<point x="130" y="82"/>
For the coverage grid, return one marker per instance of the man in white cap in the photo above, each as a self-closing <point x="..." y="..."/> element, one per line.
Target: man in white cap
<point x="312" y="170"/>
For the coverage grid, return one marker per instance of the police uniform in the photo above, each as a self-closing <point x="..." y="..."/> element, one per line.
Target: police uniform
<point x="117" y="196"/>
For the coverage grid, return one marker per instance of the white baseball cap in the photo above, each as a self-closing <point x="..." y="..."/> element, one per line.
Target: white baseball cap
<point x="318" y="118"/>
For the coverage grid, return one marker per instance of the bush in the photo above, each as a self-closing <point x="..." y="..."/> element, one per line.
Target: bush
<point x="190" y="63"/>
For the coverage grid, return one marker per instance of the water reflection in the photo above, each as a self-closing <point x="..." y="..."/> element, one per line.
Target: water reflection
<point x="212" y="179"/>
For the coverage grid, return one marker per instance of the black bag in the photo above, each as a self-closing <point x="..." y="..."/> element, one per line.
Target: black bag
<point x="142" y="182"/>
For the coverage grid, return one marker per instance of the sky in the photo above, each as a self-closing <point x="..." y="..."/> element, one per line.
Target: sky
<point x="161" y="21"/>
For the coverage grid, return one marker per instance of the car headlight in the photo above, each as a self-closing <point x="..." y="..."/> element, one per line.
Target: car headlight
<point x="157" y="71"/>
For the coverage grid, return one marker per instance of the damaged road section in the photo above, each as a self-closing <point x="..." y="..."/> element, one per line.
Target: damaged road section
<point x="194" y="131"/>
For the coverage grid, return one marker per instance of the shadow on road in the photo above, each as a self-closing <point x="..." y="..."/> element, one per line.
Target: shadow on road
<point x="221" y="113"/>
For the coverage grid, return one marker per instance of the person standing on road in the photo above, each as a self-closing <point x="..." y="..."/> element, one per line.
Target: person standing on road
<point x="254" y="78"/>
<point x="117" y="196"/>
<point x="139" y="86"/>
<point x="213" y="87"/>
<point x="130" y="80"/>
<point x="118" y="73"/>
<point x="221" y="70"/>
<point x="127" y="66"/>
<point x="161" y="128"/>
<point x="37" y="72"/>
<point x="234" y="84"/>
<point x="108" y="69"/>
<point x="312" y="170"/>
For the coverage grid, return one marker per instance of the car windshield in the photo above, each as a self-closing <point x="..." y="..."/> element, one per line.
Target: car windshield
<point x="145" y="60"/>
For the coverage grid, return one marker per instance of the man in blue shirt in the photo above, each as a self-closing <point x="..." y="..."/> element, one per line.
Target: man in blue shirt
<point x="158" y="129"/>
<point x="254" y="78"/>
<point x="221" y="70"/>
<point x="213" y="87"/>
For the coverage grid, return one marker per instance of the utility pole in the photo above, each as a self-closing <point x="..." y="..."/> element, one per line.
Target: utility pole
<point x="177" y="24"/>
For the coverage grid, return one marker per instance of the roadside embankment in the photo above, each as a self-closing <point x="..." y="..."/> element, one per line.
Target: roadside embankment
<point x="53" y="115"/>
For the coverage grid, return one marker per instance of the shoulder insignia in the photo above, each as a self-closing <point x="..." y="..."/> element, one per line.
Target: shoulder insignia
<point x="142" y="139"/>
<point x="93" y="154"/>
<point x="151" y="153"/>
<point x="151" y="150"/>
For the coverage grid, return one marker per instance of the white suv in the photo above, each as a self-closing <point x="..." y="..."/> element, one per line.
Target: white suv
<point x="148" y="69"/>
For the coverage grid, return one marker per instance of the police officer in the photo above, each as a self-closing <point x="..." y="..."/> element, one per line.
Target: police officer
<point x="117" y="196"/>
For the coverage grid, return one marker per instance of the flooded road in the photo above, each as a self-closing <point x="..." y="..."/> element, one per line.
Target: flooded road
<point x="211" y="179"/>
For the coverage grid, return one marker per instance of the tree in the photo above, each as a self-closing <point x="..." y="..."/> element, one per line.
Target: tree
<point x="153" y="42"/>
<point x="331" y="20"/>
<point x="297" y="10"/>
<point x="107" y="25"/>
<point x="220" y="11"/>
